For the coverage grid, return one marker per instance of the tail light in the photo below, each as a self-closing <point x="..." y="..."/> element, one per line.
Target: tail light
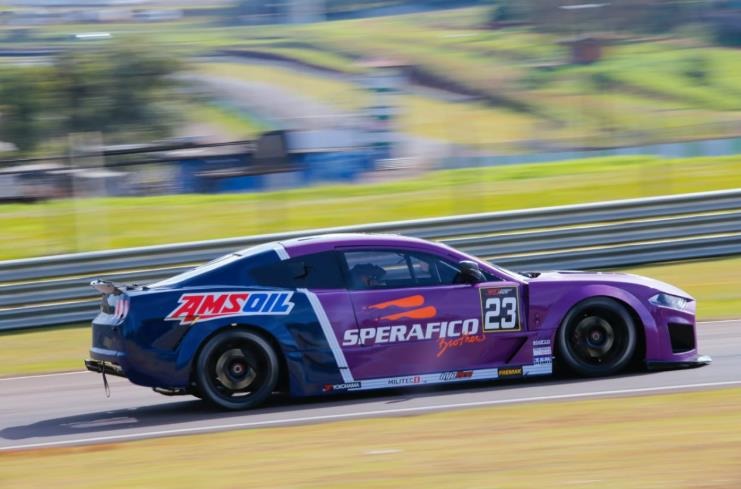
<point x="121" y="306"/>
<point x="114" y="301"/>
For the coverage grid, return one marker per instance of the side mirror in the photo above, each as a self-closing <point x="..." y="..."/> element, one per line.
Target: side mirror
<point x="470" y="272"/>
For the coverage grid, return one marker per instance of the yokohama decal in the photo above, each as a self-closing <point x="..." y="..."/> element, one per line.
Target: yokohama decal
<point x="194" y="308"/>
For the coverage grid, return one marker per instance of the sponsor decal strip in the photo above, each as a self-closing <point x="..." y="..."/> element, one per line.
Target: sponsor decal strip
<point x="326" y="326"/>
<point x="444" y="377"/>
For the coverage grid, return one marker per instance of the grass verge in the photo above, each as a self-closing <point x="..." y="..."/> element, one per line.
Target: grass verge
<point x="685" y="440"/>
<point x="66" y="226"/>
<point x="230" y="123"/>
<point x="44" y="350"/>
<point x="713" y="283"/>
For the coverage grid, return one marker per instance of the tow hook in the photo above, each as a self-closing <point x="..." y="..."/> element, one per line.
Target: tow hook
<point x="105" y="384"/>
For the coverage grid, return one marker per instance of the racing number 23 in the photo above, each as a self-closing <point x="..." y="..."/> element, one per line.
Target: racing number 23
<point x="499" y="306"/>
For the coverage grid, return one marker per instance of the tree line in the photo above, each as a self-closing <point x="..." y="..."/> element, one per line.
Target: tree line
<point x="114" y="89"/>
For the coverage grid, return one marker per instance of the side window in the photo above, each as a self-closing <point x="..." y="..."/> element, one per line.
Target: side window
<point x="389" y="269"/>
<point x="424" y="270"/>
<point x="317" y="271"/>
<point x="378" y="269"/>
<point x="432" y="270"/>
<point x="441" y="271"/>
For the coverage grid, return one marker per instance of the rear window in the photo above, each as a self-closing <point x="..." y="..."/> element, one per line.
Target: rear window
<point x="315" y="271"/>
<point x="225" y="270"/>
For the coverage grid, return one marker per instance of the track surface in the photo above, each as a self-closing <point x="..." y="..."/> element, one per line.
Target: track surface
<point x="66" y="409"/>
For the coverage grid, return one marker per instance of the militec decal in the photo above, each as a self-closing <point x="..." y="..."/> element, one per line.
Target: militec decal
<point x="448" y="334"/>
<point x="500" y="309"/>
<point x="200" y="307"/>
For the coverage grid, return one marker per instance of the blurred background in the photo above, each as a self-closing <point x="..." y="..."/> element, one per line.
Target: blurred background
<point x="128" y="123"/>
<point x="176" y="121"/>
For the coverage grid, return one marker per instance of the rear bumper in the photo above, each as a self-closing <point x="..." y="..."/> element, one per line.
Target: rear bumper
<point x="100" y="366"/>
<point x="674" y="364"/>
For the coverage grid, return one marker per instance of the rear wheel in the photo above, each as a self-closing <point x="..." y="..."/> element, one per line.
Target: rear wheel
<point x="597" y="337"/>
<point x="236" y="370"/>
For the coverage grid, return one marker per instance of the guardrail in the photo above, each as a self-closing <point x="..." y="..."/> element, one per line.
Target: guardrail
<point x="54" y="290"/>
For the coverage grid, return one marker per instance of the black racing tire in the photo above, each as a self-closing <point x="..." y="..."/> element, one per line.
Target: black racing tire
<point x="597" y="337"/>
<point x="236" y="370"/>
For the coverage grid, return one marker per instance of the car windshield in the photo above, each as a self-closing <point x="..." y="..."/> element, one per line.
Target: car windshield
<point x="502" y="271"/>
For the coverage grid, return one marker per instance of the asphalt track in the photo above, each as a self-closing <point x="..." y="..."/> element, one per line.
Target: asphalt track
<point x="71" y="408"/>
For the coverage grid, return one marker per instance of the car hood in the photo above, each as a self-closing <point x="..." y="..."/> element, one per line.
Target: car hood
<point x="608" y="278"/>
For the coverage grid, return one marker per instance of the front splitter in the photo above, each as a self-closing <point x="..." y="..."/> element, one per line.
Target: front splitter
<point x="700" y="361"/>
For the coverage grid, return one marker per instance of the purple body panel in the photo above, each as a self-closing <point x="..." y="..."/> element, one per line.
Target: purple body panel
<point x="450" y="323"/>
<point x="543" y="303"/>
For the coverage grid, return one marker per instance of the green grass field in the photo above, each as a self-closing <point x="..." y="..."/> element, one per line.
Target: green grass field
<point x="471" y="123"/>
<point x="101" y="223"/>
<point x="675" y="87"/>
<point x="679" y="441"/>
<point x="230" y="123"/>
<point x="714" y="283"/>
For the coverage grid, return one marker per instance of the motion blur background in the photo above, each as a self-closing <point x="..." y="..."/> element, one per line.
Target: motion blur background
<point x="127" y="123"/>
<point x="178" y="121"/>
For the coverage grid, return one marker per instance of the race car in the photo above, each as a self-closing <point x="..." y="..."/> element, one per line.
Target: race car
<point x="352" y="312"/>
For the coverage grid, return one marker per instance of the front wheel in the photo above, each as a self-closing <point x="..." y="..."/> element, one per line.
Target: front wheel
<point x="236" y="370"/>
<point x="597" y="337"/>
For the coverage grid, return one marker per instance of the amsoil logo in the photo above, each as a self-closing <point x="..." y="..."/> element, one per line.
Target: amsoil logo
<point x="205" y="307"/>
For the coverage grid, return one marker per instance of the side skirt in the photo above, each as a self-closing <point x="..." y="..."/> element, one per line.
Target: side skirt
<point x="545" y="368"/>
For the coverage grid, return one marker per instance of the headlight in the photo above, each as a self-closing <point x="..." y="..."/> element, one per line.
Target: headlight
<point x="670" y="301"/>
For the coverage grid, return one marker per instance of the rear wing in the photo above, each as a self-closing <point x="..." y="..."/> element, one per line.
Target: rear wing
<point x="105" y="287"/>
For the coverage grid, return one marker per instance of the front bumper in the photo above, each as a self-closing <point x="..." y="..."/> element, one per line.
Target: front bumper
<point x="669" y="364"/>
<point x="100" y="367"/>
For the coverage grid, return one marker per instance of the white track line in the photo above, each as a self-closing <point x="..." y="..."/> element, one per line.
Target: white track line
<point x="379" y="412"/>
<point x="57" y="374"/>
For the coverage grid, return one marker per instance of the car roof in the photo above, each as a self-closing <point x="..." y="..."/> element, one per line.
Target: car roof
<point x="323" y="242"/>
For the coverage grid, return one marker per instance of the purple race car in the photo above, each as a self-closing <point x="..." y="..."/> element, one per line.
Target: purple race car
<point x="353" y="312"/>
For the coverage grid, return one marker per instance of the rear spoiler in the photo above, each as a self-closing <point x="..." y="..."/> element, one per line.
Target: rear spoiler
<point x="105" y="287"/>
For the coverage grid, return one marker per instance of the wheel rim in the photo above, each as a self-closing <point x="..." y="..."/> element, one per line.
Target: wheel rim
<point x="237" y="370"/>
<point x="234" y="371"/>
<point x="598" y="340"/>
